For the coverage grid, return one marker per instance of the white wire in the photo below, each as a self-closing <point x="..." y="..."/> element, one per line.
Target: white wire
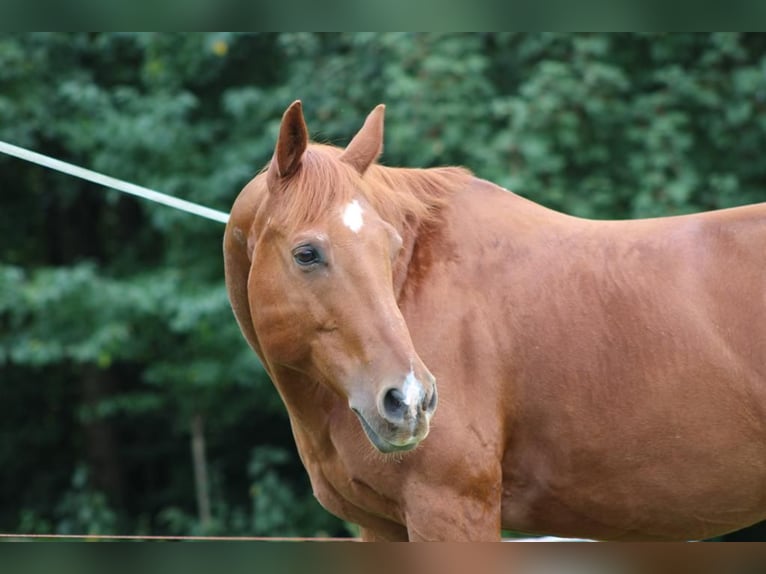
<point x="112" y="182"/>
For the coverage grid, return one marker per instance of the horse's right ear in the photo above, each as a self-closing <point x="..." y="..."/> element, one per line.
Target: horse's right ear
<point x="291" y="143"/>
<point x="367" y="144"/>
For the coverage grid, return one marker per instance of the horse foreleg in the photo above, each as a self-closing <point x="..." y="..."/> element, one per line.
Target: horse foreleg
<point x="458" y="519"/>
<point x="389" y="535"/>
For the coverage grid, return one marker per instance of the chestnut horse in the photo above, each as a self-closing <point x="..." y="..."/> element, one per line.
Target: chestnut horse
<point x="600" y="379"/>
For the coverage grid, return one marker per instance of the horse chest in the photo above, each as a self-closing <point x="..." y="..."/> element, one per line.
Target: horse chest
<point x="356" y="495"/>
<point x="352" y="497"/>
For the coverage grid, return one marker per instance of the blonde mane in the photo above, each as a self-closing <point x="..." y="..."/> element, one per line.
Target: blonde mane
<point x="403" y="197"/>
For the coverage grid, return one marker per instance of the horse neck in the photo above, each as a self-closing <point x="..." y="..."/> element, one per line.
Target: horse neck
<point x="401" y="265"/>
<point x="417" y="198"/>
<point x="314" y="410"/>
<point x="477" y="223"/>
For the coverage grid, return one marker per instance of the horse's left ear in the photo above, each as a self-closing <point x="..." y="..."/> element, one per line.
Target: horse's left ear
<point x="291" y="143"/>
<point x="367" y="144"/>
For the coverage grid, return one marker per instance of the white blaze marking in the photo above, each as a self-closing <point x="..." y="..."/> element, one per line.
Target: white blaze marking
<point x="412" y="390"/>
<point x="352" y="216"/>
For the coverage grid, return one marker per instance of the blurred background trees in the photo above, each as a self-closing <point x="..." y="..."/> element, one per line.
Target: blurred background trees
<point x="118" y="351"/>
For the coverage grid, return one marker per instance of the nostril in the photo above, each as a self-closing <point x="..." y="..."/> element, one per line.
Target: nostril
<point x="430" y="402"/>
<point x="393" y="403"/>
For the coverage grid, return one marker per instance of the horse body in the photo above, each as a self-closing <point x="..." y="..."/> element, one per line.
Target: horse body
<point x="635" y="373"/>
<point x="596" y="379"/>
<point x="625" y="360"/>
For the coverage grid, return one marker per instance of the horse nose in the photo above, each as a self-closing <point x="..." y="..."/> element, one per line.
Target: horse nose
<point x="397" y="403"/>
<point x="394" y="405"/>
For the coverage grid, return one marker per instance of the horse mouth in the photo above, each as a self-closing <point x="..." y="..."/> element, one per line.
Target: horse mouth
<point x="379" y="442"/>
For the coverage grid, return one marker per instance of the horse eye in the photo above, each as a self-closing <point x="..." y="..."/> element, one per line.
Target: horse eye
<point x="306" y="255"/>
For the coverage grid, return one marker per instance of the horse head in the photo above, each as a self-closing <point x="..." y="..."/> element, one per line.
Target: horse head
<point x="321" y="288"/>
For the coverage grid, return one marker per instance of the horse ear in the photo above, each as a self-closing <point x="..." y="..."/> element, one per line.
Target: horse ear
<point x="367" y="144"/>
<point x="291" y="143"/>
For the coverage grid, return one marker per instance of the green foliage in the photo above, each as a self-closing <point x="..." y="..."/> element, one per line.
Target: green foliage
<point x="279" y="507"/>
<point x="280" y="504"/>
<point x="115" y="328"/>
<point x="81" y="510"/>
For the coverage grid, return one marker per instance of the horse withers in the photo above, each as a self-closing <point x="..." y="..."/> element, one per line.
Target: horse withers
<point x="599" y="379"/>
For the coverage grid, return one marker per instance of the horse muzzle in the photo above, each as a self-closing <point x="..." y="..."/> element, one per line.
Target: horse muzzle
<point x="401" y="417"/>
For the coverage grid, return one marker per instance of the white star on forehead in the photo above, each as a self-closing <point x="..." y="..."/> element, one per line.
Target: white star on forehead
<point x="352" y="216"/>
